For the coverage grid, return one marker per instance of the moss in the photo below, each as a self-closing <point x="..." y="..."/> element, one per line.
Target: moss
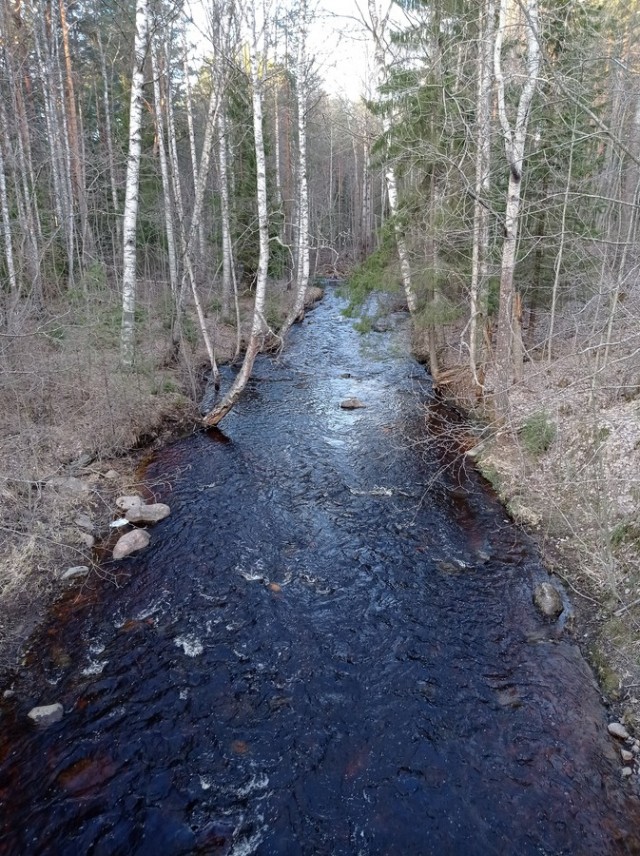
<point x="608" y="678"/>
<point x="538" y="433"/>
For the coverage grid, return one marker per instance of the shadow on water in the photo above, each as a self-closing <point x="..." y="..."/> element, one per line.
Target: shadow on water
<point x="329" y="648"/>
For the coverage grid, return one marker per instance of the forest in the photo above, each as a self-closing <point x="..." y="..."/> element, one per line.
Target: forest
<point x="171" y="186"/>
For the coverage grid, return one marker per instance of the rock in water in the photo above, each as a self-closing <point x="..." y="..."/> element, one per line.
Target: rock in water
<point x="351" y="404"/>
<point x="547" y="599"/>
<point x="148" y="513"/>
<point x="46" y="714"/>
<point x="129" y="543"/>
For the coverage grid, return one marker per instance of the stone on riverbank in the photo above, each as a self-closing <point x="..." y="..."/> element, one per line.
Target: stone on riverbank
<point x="138" y="539"/>
<point x="617" y="729"/>
<point x="74" y="573"/>
<point x="124" y="503"/>
<point x="547" y="599"/>
<point x="47" y="714"/>
<point x="148" y="513"/>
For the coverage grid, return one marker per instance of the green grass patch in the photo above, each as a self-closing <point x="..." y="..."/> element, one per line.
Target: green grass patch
<point x="538" y="433"/>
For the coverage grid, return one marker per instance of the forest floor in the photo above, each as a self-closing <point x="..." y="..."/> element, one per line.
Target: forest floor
<point x="566" y="462"/>
<point x="74" y="428"/>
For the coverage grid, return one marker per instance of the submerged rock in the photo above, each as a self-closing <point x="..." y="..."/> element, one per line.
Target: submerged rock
<point x="547" y="599"/>
<point x="352" y="404"/>
<point x="138" y="539"/>
<point x="47" y="714"/>
<point x="148" y="513"/>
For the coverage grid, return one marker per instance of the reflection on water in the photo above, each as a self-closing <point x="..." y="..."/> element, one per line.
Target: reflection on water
<point x="329" y="648"/>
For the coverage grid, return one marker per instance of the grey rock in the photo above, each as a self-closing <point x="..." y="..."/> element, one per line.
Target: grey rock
<point x="626" y="755"/>
<point x="547" y="599"/>
<point x="617" y="729"/>
<point x="138" y="539"/>
<point x="112" y="475"/>
<point x="74" y="573"/>
<point x="83" y="461"/>
<point x="352" y="404"/>
<point x="88" y="540"/>
<point x="84" y="522"/>
<point x="124" y="503"/>
<point x="70" y="486"/>
<point x="626" y="771"/>
<point x="148" y="513"/>
<point x="46" y="714"/>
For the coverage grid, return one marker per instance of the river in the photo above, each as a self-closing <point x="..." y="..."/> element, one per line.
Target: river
<point x="329" y="647"/>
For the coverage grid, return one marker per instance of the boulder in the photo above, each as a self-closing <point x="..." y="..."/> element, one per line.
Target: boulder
<point x="84" y="522"/>
<point x="312" y="295"/>
<point x="617" y="729"/>
<point x="547" y="599"/>
<point x="74" y="573"/>
<point x="124" y="503"/>
<point x="148" y="513"/>
<point x="138" y="539"/>
<point x="352" y="404"/>
<point x="112" y="475"/>
<point x="47" y="714"/>
<point x="70" y="486"/>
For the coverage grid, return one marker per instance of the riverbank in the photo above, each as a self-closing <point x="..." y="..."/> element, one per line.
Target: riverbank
<point x="565" y="464"/>
<point x="74" y="429"/>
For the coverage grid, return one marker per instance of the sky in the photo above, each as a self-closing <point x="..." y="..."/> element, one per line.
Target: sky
<point x="336" y="41"/>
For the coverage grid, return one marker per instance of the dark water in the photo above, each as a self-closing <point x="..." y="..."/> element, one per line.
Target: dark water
<point x="329" y="648"/>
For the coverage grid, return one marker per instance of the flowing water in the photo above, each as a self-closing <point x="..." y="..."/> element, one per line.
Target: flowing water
<point x="329" y="648"/>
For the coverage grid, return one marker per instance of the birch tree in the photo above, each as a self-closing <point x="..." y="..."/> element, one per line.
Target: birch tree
<point x="258" y="325"/>
<point x="478" y="289"/>
<point x="508" y="358"/>
<point x="130" y="215"/>
<point x="302" y="232"/>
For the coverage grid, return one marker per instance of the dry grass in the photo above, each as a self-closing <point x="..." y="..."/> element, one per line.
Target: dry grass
<point x="68" y="410"/>
<point x="566" y="461"/>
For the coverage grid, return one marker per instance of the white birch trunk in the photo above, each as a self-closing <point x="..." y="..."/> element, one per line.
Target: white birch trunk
<point x="478" y="289"/>
<point x="130" y="218"/>
<point x="188" y="272"/>
<point x="258" y="326"/>
<point x="227" y="249"/>
<point x="302" y="254"/>
<point x="8" y="241"/>
<point x="508" y="340"/>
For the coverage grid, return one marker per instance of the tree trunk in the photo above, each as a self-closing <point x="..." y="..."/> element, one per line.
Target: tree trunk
<point x="478" y="290"/>
<point x="508" y="359"/>
<point x="302" y="254"/>
<point x="130" y="219"/>
<point x="258" y="327"/>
